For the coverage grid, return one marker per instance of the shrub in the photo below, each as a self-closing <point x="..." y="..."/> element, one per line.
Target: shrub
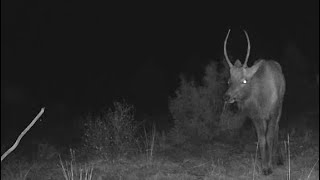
<point x="111" y="132"/>
<point x="47" y="152"/>
<point x="196" y="109"/>
<point x="15" y="169"/>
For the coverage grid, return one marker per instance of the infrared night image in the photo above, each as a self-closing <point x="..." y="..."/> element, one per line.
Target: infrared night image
<point x="99" y="90"/>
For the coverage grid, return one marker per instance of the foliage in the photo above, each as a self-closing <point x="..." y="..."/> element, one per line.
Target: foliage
<point x="196" y="108"/>
<point x="46" y="152"/>
<point x="15" y="169"/>
<point x="73" y="170"/>
<point x="231" y="118"/>
<point x="111" y="132"/>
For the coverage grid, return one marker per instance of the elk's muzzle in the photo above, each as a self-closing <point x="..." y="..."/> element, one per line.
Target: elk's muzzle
<point x="228" y="99"/>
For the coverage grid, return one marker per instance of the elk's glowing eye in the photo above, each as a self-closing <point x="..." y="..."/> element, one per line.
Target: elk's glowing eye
<point x="244" y="81"/>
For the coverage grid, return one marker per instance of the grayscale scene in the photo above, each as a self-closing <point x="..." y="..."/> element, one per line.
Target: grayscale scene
<point x="97" y="90"/>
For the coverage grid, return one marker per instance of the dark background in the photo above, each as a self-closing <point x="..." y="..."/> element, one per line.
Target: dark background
<point x="75" y="57"/>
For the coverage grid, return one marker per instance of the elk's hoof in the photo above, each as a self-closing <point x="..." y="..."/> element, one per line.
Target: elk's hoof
<point x="267" y="171"/>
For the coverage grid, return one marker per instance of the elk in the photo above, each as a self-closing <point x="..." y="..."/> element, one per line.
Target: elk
<point x="258" y="91"/>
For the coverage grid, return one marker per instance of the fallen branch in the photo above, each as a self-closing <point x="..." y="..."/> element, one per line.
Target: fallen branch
<point x="13" y="147"/>
<point x="312" y="168"/>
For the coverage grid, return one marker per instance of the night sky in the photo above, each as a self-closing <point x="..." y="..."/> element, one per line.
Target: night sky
<point x="75" y="57"/>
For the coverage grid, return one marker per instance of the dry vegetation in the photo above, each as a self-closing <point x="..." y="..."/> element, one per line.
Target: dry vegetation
<point x="116" y="147"/>
<point x="217" y="160"/>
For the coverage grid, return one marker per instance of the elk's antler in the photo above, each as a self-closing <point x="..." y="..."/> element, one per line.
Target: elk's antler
<point x="225" y="50"/>
<point x="248" y="50"/>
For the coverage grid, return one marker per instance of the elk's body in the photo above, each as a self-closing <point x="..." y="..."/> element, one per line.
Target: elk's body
<point x="259" y="92"/>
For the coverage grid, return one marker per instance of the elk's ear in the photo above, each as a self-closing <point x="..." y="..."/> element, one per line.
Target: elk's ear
<point x="253" y="69"/>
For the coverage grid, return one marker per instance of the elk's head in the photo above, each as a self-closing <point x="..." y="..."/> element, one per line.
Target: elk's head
<point x="240" y="76"/>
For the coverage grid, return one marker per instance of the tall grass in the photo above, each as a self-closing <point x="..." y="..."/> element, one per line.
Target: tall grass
<point x="71" y="170"/>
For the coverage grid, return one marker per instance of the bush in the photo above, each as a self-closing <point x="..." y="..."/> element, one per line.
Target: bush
<point x="196" y="109"/>
<point x="111" y="132"/>
<point x="47" y="152"/>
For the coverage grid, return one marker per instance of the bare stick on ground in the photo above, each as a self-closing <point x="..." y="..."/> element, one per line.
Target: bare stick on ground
<point x="312" y="168"/>
<point x="289" y="156"/>
<point x="13" y="147"/>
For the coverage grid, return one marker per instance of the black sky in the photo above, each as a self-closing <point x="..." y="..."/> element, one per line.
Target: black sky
<point x="76" y="56"/>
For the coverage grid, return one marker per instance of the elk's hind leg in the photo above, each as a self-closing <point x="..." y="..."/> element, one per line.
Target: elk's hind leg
<point x="270" y="137"/>
<point x="278" y="158"/>
<point x="277" y="148"/>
